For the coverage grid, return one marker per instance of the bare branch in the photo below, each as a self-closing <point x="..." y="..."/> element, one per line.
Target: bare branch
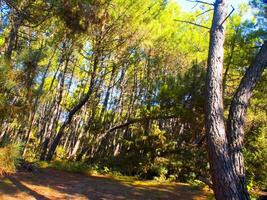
<point x="136" y="120"/>
<point x="204" y="12"/>
<point x="199" y="25"/>
<point x="233" y="9"/>
<point x="194" y="6"/>
<point x="203" y="2"/>
<point x="11" y="4"/>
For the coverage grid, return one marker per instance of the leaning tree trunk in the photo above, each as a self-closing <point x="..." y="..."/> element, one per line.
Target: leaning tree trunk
<point x="222" y="173"/>
<point x="238" y="108"/>
<point x="69" y="117"/>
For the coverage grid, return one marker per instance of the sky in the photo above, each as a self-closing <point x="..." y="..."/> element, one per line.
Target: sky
<point x="188" y="6"/>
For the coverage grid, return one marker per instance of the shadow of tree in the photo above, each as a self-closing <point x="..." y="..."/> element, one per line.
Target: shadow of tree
<point x="22" y="187"/>
<point x="7" y="187"/>
<point x="53" y="184"/>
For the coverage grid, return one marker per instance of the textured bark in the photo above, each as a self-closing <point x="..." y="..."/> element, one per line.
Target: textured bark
<point x="222" y="173"/>
<point x="237" y="113"/>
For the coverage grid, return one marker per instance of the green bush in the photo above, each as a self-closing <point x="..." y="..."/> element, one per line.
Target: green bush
<point x="9" y="156"/>
<point x="77" y="167"/>
<point x="256" y="157"/>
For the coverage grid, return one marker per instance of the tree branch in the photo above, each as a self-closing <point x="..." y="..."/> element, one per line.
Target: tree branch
<point x="204" y="12"/>
<point x="203" y="2"/>
<point x="199" y="25"/>
<point x="233" y="9"/>
<point x="11" y="4"/>
<point x="132" y="121"/>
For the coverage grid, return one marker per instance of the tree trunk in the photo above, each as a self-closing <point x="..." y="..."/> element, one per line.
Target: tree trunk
<point x="70" y="115"/>
<point x="80" y="131"/>
<point x="222" y="173"/>
<point x="237" y="113"/>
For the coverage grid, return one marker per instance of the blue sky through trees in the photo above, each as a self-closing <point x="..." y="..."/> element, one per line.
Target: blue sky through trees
<point x="188" y="5"/>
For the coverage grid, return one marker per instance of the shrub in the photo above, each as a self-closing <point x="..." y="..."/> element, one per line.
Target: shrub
<point x="77" y="167"/>
<point x="256" y="157"/>
<point x="9" y="156"/>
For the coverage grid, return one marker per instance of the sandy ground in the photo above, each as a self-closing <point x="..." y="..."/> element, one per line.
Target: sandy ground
<point x="53" y="184"/>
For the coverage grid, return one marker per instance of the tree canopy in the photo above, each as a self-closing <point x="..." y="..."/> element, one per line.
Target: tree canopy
<point x="121" y="84"/>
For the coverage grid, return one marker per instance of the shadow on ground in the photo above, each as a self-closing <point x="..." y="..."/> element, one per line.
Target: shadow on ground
<point x="52" y="184"/>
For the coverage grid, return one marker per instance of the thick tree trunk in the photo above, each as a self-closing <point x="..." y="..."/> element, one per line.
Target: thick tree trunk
<point x="237" y="113"/>
<point x="222" y="173"/>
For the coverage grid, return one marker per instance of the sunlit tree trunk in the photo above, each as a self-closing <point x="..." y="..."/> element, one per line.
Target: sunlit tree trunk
<point x="222" y="173"/>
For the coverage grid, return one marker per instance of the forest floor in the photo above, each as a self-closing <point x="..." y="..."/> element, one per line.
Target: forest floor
<point x="52" y="184"/>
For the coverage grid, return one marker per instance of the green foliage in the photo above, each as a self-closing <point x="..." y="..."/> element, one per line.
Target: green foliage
<point x="9" y="156"/>
<point x="78" y="167"/>
<point x="61" y="153"/>
<point x="256" y="156"/>
<point x="7" y="83"/>
<point x="145" y="71"/>
<point x="69" y="166"/>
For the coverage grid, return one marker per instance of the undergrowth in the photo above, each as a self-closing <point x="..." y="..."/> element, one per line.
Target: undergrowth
<point x="9" y="156"/>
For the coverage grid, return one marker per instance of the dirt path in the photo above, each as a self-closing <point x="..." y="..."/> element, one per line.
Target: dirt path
<point x="52" y="184"/>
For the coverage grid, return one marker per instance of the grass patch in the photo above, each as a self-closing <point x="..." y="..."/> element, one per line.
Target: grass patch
<point x="94" y="170"/>
<point x="78" y="167"/>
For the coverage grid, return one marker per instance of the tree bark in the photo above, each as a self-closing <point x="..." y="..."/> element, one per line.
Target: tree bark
<point x="237" y="113"/>
<point x="222" y="173"/>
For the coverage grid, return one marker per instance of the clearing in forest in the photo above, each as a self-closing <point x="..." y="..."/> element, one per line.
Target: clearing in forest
<point x="53" y="184"/>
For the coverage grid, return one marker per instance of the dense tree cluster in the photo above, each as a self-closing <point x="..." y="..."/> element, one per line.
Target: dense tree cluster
<point x="121" y="83"/>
